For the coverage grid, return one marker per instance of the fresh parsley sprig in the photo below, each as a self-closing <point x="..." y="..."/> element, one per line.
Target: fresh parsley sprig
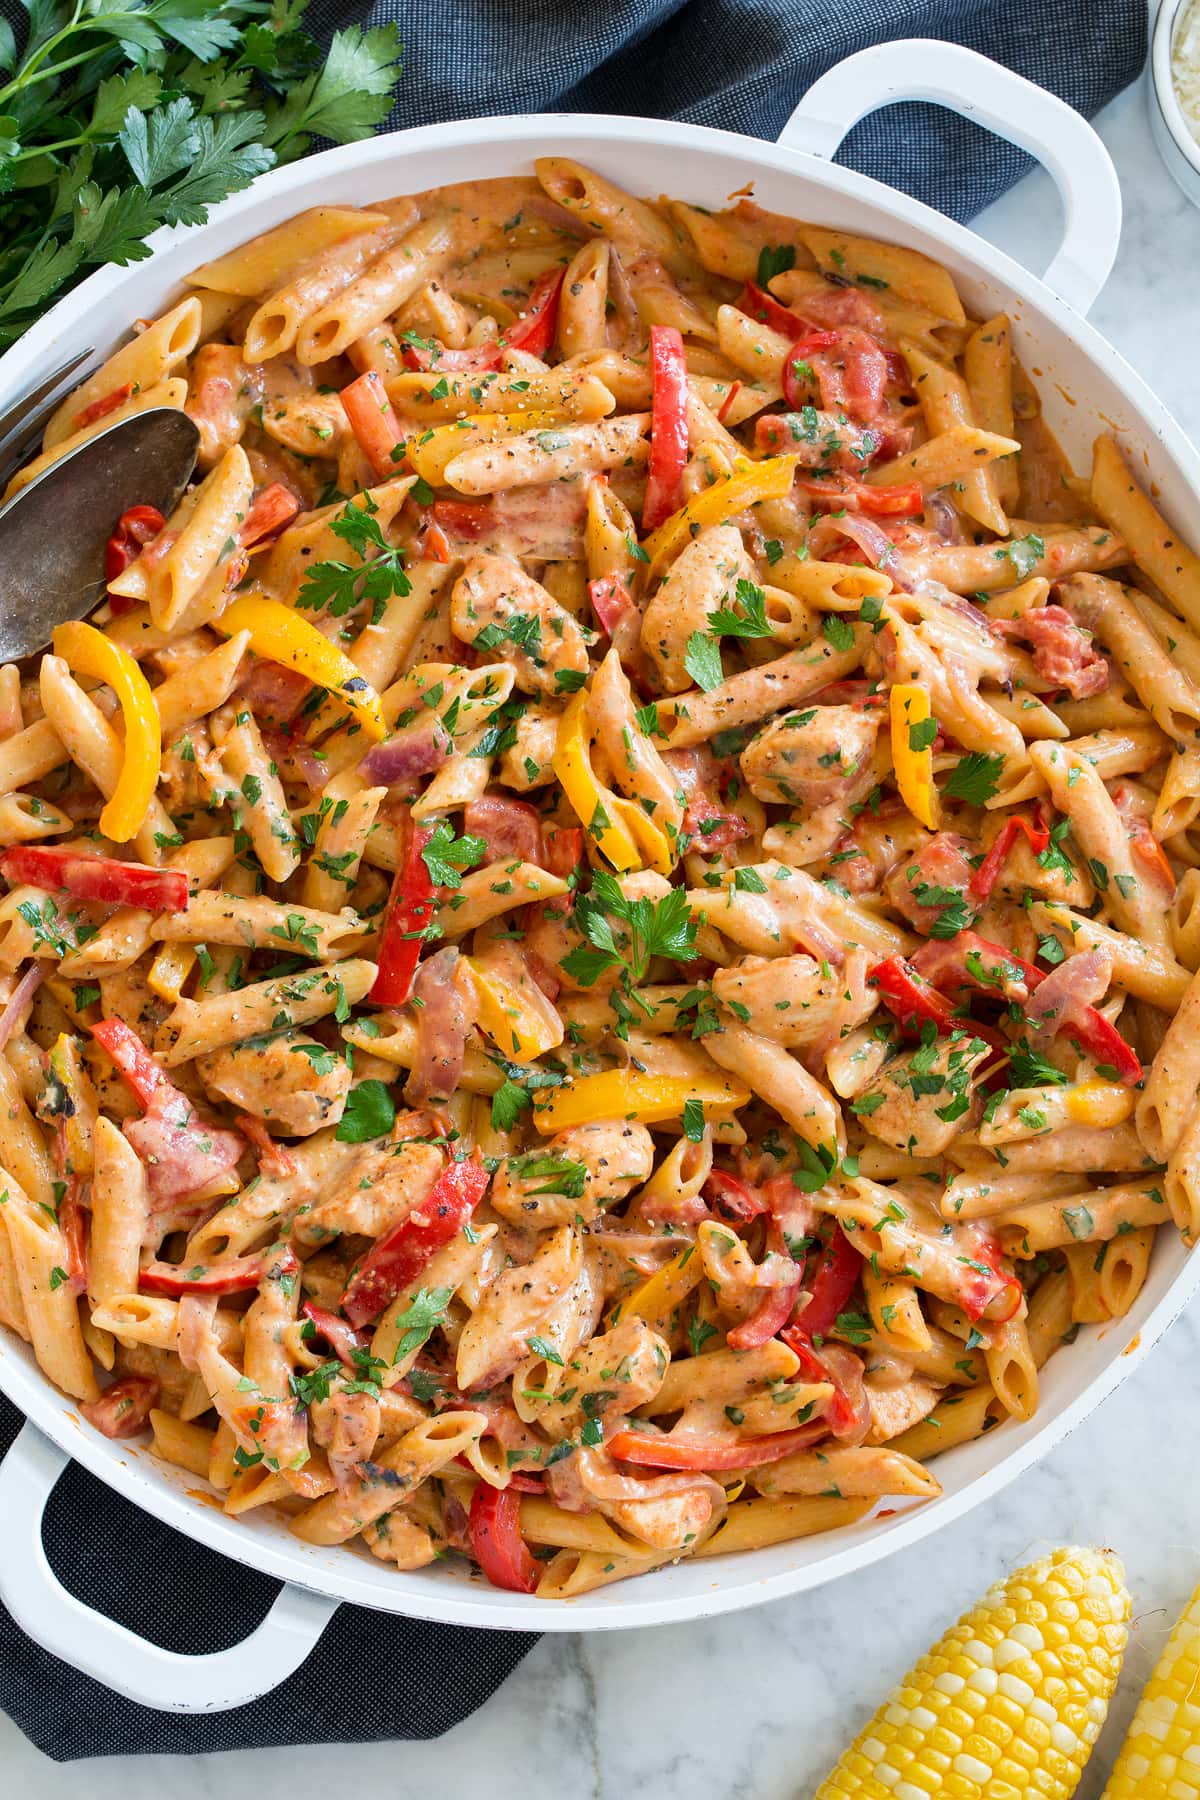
<point x="379" y="573"/>
<point x="653" y="928"/>
<point x="446" y="856"/>
<point x="116" y="119"/>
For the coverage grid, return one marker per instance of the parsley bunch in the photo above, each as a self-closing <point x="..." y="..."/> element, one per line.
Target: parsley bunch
<point x="116" y="118"/>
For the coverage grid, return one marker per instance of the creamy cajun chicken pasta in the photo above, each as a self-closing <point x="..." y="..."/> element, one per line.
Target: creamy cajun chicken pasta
<point x="599" y="935"/>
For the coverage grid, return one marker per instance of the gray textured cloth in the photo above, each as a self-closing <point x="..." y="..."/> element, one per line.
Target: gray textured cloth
<point x="744" y="64"/>
<point x="741" y="65"/>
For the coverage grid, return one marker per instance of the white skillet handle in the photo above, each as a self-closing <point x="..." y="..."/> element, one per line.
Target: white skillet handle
<point x="1036" y="121"/>
<point x="108" y="1652"/>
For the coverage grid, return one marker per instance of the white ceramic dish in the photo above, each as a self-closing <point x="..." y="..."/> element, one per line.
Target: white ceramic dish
<point x="1080" y="378"/>
<point x="1172" y="133"/>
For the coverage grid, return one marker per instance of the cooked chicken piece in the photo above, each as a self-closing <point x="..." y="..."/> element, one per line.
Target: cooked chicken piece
<point x="291" y="1082"/>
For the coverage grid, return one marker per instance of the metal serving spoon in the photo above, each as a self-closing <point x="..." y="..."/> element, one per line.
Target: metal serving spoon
<point x="53" y="532"/>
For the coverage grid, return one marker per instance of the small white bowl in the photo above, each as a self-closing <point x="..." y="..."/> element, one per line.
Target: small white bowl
<point x="1177" y="146"/>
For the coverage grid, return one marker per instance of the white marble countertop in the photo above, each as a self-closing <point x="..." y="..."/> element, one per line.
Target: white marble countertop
<point x="758" y="1705"/>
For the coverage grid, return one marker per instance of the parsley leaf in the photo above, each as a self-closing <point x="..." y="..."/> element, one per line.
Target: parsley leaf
<point x="421" y="1318"/>
<point x="975" y="778"/>
<point x="370" y="1113"/>
<point x="774" y="259"/>
<point x="1024" y="554"/>
<point x="837" y="632"/>
<point x="446" y="856"/>
<point x="1028" y="1068"/>
<point x="702" y="660"/>
<point x="561" y="1174"/>
<point x="750" y="622"/>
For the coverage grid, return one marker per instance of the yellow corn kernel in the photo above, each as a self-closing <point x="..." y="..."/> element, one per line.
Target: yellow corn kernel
<point x="1161" y="1752"/>
<point x="1011" y="1700"/>
<point x="1100" y="1103"/>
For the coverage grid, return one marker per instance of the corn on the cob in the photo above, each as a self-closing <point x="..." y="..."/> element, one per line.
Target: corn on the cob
<point x="1011" y="1701"/>
<point x="1160" y="1758"/>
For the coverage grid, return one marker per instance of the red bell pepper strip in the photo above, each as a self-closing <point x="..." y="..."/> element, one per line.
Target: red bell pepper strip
<point x="668" y="427"/>
<point x="435" y="545"/>
<point x="562" y="850"/>
<point x="341" y="1336"/>
<point x="396" y="1259"/>
<point x="913" y="1000"/>
<point x="100" y="409"/>
<point x="973" y="962"/>
<point x="768" y="1319"/>
<point x="237" y="1275"/>
<point x="150" y="1085"/>
<point x="534" y="331"/>
<point x="464" y="518"/>
<point x="72" y="1222"/>
<point x="841" y="1414"/>
<point x="611" y="601"/>
<point x="653" y="1452"/>
<point x="795" y="385"/>
<point x="135" y="529"/>
<point x="733" y="1198"/>
<point x="430" y="355"/>
<point x="1090" y="1029"/>
<point x="409" y="909"/>
<point x="756" y="303"/>
<point x="274" y="1158"/>
<point x="831" y="1274"/>
<point x="123" y="1410"/>
<point x="373" y="422"/>
<point x="899" y="500"/>
<point x="270" y="510"/>
<point x="988" y="1291"/>
<point x="1099" y="1038"/>
<point x="98" y="878"/>
<point x="496" y="1541"/>
<point x="727" y="402"/>
<point x="986" y="875"/>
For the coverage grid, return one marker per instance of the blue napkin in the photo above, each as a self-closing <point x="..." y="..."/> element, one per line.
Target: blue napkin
<point x="742" y="65"/>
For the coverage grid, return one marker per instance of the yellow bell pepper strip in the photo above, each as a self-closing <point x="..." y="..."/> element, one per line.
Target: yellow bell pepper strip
<point x="624" y="1094"/>
<point x="1099" y="1103"/>
<point x="282" y="636"/>
<point x="522" y="1025"/>
<point x="660" y="1296"/>
<point x="752" y="482"/>
<point x="655" y="846"/>
<point x="429" y="453"/>
<point x="88" y="652"/>
<point x="913" y="763"/>
<point x="601" y="812"/>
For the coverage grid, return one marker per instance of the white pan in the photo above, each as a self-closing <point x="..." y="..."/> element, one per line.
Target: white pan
<point x="797" y="177"/>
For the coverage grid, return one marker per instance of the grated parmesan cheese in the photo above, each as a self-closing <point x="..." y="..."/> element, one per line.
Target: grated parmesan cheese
<point x="1185" y="65"/>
